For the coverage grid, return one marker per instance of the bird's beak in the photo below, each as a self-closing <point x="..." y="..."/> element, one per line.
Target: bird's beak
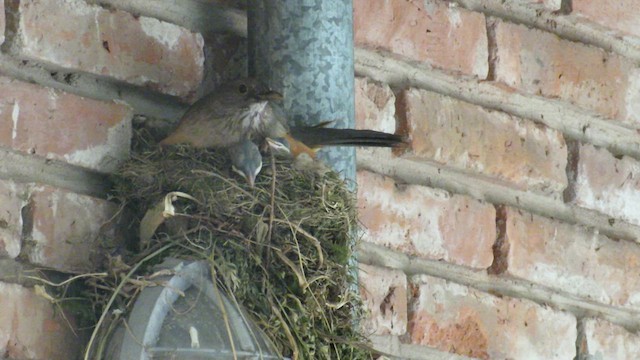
<point x="270" y="95"/>
<point x="278" y="146"/>
<point x="251" y="181"/>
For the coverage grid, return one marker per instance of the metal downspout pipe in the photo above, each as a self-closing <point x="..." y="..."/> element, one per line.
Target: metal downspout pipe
<point x="304" y="48"/>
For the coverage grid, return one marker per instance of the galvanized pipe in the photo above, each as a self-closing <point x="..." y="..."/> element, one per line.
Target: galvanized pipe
<point x="304" y="48"/>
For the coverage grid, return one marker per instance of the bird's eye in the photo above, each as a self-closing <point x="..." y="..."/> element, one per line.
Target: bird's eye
<point x="243" y="89"/>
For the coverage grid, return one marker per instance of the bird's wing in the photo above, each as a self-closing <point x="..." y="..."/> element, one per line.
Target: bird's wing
<point x="209" y="123"/>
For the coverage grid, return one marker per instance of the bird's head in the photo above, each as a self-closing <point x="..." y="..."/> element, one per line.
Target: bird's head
<point x="246" y="160"/>
<point x="249" y="90"/>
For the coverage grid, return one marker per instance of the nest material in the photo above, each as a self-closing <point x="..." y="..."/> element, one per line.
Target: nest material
<point x="282" y="249"/>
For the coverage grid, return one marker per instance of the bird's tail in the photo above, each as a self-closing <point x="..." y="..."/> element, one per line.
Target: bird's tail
<point x="322" y="136"/>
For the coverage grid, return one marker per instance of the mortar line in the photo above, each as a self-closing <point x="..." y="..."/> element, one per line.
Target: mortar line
<point x="481" y="187"/>
<point x="575" y="122"/>
<point x="377" y="255"/>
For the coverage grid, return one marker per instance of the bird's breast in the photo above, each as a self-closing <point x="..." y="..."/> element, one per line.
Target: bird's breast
<point x="252" y="120"/>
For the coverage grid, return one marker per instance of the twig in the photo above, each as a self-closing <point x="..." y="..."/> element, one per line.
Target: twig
<point x="242" y="314"/>
<point x="102" y="274"/>
<point x="292" y="341"/>
<point x="42" y="292"/>
<point x="272" y="211"/>
<point x="133" y="336"/>
<point x="210" y="173"/>
<point x="112" y="324"/>
<point x="302" y="281"/>
<point x="306" y="284"/>
<point x="306" y="234"/>
<point x="223" y="309"/>
<point x="105" y="311"/>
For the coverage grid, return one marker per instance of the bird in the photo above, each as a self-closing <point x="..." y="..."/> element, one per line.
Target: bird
<point x="297" y="140"/>
<point x="227" y="119"/>
<point x="246" y="160"/>
<point x="229" y="115"/>
<point x="244" y="112"/>
<point x="248" y="109"/>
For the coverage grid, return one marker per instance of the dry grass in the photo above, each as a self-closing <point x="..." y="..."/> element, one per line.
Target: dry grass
<point x="282" y="252"/>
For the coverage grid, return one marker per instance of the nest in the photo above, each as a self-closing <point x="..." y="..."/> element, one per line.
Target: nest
<point x="283" y="249"/>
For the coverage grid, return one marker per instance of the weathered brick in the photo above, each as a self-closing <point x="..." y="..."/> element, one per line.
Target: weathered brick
<point x="434" y="31"/>
<point x="3" y="23"/>
<point x="13" y="198"/>
<point x="600" y="339"/>
<point x="65" y="230"/>
<point x="541" y="63"/>
<point x="375" y="106"/>
<point x="384" y="293"/>
<point x="536" y="249"/>
<point x="30" y="327"/>
<point x="62" y="126"/>
<point x="426" y="222"/>
<point x="617" y="15"/>
<point x="604" y="183"/>
<point x="138" y="50"/>
<point x="492" y="143"/>
<point x="553" y="5"/>
<point x="375" y="110"/>
<point x="458" y="319"/>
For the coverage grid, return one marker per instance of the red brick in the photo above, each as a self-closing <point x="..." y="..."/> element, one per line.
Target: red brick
<point x="458" y="319"/>
<point x="53" y="227"/>
<point x="541" y="63"/>
<point x="537" y="248"/>
<point x="13" y="197"/>
<point x="434" y="31"/>
<point x="617" y="15"/>
<point x="68" y="229"/>
<point x="606" y="184"/>
<point x="375" y="110"/>
<point x="601" y="339"/>
<point x="492" y="143"/>
<point x="426" y="222"/>
<point x="375" y="106"/>
<point x="384" y="293"/>
<point x="137" y="50"/>
<point x="30" y="327"/>
<point x="62" y="126"/>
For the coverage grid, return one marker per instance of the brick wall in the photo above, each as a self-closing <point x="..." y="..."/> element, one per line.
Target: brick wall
<point x="74" y="78"/>
<point x="506" y="230"/>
